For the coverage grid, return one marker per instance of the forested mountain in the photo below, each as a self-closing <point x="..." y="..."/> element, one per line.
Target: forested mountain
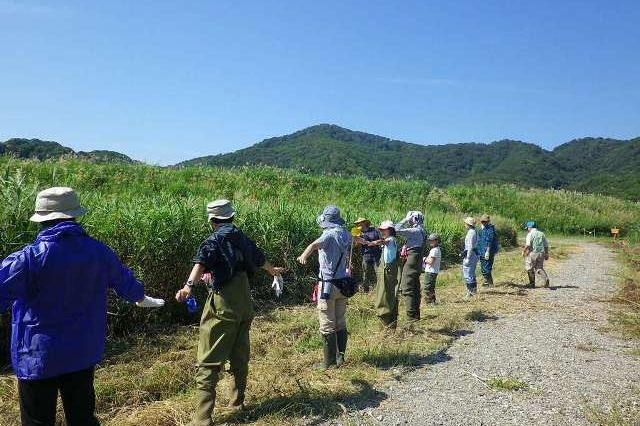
<point x="42" y="150"/>
<point x="590" y="165"/>
<point x="597" y="165"/>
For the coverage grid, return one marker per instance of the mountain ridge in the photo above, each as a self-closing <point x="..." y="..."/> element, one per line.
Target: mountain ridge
<point x="586" y="164"/>
<point x="590" y="164"/>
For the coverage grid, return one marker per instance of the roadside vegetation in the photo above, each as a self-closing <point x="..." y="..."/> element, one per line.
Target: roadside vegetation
<point x="148" y="378"/>
<point x="628" y="298"/>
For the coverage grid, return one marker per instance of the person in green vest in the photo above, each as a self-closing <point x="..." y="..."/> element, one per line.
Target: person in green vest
<point x="226" y="260"/>
<point x="536" y="251"/>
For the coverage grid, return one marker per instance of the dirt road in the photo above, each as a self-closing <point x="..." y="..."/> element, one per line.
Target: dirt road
<point x="564" y="356"/>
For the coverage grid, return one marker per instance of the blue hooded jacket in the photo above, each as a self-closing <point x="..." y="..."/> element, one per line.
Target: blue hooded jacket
<point x="58" y="286"/>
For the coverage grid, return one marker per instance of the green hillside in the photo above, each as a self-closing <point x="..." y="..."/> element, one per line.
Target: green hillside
<point x="43" y="150"/>
<point x="592" y="164"/>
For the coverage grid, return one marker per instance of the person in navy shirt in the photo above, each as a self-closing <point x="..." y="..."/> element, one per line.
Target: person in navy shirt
<point x="488" y="246"/>
<point x="371" y="253"/>
<point x="57" y="287"/>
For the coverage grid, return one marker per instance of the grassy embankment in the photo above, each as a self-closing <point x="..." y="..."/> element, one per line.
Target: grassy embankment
<point x="147" y="379"/>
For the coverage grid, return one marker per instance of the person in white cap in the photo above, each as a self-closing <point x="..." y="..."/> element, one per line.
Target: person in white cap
<point x="387" y="288"/>
<point x="225" y="262"/>
<point x="470" y="257"/>
<point x="58" y="287"/>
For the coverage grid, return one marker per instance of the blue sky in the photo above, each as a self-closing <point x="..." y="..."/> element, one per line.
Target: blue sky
<point x="166" y="81"/>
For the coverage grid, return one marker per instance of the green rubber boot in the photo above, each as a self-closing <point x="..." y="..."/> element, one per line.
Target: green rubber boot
<point x="206" y="401"/>
<point x="330" y="347"/>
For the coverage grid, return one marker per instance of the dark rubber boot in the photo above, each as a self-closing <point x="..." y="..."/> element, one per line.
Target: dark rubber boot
<point x="488" y="280"/>
<point x="330" y="348"/>
<point x="341" y="337"/>
<point x="532" y="279"/>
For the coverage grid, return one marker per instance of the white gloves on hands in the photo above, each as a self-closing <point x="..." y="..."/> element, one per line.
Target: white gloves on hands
<point x="487" y="255"/>
<point x="150" y="302"/>
<point x="278" y="285"/>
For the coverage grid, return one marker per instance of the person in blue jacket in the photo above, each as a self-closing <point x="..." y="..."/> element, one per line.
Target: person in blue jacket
<point x="488" y="245"/>
<point x="57" y="287"/>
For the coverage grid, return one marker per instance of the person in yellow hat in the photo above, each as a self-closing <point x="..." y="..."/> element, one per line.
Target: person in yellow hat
<point x="370" y="252"/>
<point x="227" y="259"/>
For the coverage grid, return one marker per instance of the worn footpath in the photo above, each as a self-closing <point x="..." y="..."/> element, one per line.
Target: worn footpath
<point x="565" y="355"/>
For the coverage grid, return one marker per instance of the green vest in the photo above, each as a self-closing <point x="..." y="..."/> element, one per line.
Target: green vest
<point x="537" y="241"/>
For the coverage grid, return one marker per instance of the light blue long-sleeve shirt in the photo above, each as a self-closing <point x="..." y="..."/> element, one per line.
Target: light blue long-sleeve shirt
<point x="471" y="241"/>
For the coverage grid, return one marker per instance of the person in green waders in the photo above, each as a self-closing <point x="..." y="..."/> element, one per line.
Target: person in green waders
<point x="227" y="259"/>
<point x="387" y="288"/>
<point x="411" y="228"/>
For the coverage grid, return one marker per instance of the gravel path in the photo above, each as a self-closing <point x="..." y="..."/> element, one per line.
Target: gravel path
<point x="563" y="355"/>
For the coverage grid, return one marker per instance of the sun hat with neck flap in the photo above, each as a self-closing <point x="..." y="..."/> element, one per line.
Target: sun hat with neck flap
<point x="330" y="217"/>
<point x="57" y="203"/>
<point x="220" y="209"/>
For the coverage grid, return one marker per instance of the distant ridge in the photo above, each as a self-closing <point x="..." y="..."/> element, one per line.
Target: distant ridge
<point x="597" y="165"/>
<point x="43" y="150"/>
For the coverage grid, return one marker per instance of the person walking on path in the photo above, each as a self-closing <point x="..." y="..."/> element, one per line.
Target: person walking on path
<point x="227" y="259"/>
<point x="387" y="287"/>
<point x="411" y="228"/>
<point x="370" y="252"/>
<point x="58" y="288"/>
<point x="536" y="251"/>
<point x="432" y="268"/>
<point x="333" y="252"/>
<point x="470" y="257"/>
<point x="488" y="245"/>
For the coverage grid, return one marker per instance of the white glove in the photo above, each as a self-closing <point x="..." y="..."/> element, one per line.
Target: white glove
<point x="487" y="255"/>
<point x="465" y="262"/>
<point x="278" y="285"/>
<point x="150" y="302"/>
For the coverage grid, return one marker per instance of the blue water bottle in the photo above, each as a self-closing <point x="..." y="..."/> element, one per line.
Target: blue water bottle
<point x="192" y="305"/>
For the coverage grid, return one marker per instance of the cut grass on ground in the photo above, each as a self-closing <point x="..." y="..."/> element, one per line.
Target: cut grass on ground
<point x="506" y="384"/>
<point x="149" y="379"/>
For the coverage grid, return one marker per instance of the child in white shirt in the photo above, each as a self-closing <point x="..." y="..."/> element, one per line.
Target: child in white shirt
<point x="432" y="268"/>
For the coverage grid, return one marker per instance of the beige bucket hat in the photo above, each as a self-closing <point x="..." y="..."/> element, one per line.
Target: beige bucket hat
<point x="220" y="209"/>
<point x="485" y="218"/>
<point x="470" y="221"/>
<point x="387" y="224"/>
<point x="57" y="203"/>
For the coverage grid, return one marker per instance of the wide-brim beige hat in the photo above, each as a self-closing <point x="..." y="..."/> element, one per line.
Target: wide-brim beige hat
<point x="387" y="224"/>
<point x="485" y="218"/>
<point x="470" y="221"/>
<point x="361" y="220"/>
<point x="57" y="203"/>
<point x="220" y="209"/>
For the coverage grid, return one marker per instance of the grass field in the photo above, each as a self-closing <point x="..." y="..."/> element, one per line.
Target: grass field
<point x="155" y="219"/>
<point x="147" y="379"/>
